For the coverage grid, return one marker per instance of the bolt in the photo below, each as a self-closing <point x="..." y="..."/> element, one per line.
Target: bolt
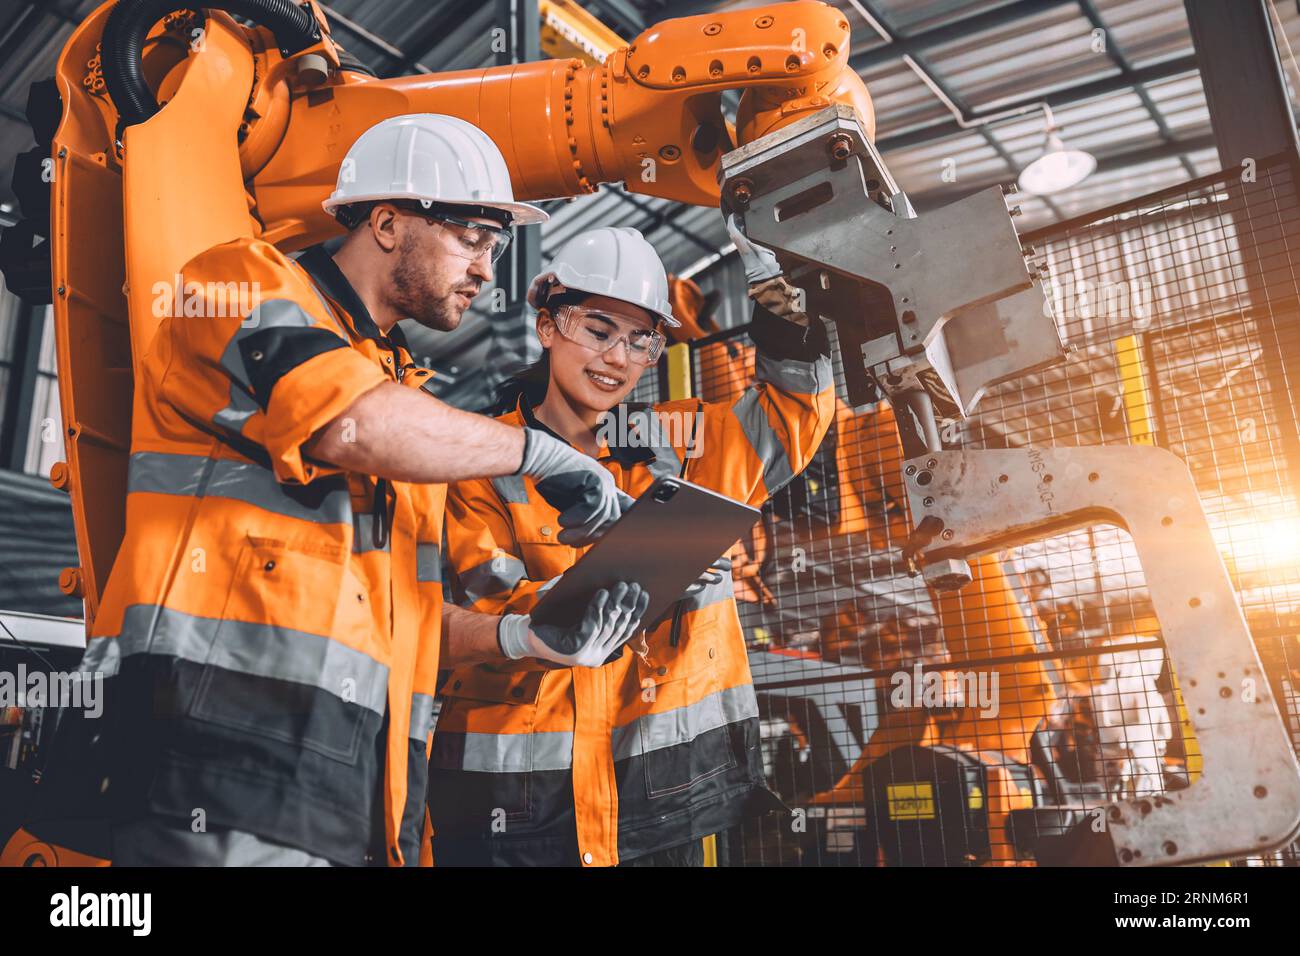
<point x="910" y="470"/>
<point x="1261" y="792"/>
<point x="947" y="535"/>
<point x="932" y="463"/>
<point x="1170" y="848"/>
<point x="927" y="502"/>
<point x="742" y="192"/>
<point x="841" y="147"/>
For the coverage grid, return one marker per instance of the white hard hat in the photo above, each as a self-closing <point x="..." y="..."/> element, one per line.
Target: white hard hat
<point x="611" y="260"/>
<point x="433" y="158"/>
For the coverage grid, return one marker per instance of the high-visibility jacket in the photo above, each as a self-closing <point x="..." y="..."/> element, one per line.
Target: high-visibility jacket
<point x="533" y="764"/>
<point x="270" y="629"/>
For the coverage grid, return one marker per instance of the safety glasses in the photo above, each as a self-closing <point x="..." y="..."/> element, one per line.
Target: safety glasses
<point x="469" y="240"/>
<point x="599" y="331"/>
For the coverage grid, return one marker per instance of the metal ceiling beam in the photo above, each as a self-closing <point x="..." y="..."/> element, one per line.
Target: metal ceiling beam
<point x="1111" y="162"/>
<point x="962" y="29"/>
<point x="1244" y="86"/>
<point x="1123" y="80"/>
<point x="950" y="98"/>
<point x="660" y="217"/>
<point x="1120" y="60"/>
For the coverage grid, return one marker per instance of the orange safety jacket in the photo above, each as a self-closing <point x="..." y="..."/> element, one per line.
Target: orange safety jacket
<point x="269" y="633"/>
<point x="537" y="765"/>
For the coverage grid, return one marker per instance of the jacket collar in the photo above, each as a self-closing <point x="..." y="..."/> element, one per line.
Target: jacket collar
<point x="329" y="278"/>
<point x="625" y="455"/>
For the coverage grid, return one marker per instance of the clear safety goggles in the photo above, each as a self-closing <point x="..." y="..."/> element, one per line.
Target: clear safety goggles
<point x="469" y="240"/>
<point x="598" y="330"/>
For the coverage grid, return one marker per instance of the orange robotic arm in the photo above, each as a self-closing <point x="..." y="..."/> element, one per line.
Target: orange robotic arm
<point x="249" y="141"/>
<point x="650" y="116"/>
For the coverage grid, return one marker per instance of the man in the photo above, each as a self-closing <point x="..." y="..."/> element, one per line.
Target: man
<point x="270" y="631"/>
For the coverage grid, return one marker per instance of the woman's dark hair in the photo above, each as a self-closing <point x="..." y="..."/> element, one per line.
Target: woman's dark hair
<point x="532" y="380"/>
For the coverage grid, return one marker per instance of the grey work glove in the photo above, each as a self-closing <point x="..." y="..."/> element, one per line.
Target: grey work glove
<point x="759" y="261"/>
<point x="583" y="491"/>
<point x="612" y="618"/>
<point x="710" y="577"/>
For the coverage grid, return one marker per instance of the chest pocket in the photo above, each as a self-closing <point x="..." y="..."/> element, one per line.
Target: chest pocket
<point x="271" y="669"/>
<point x="537" y="537"/>
<point x="683" y="740"/>
<point x="484" y="751"/>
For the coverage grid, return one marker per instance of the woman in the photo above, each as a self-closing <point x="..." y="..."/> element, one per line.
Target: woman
<point x="637" y="760"/>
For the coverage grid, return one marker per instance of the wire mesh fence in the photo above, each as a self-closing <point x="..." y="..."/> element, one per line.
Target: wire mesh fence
<point x="907" y="727"/>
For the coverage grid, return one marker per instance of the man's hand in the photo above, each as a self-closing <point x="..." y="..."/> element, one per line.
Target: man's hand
<point x="611" y="620"/>
<point x="588" y="500"/>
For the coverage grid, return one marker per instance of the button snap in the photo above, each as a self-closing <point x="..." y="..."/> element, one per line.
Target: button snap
<point x="361" y="599"/>
<point x="269" y="566"/>
<point x="586" y="858"/>
<point x="546" y="530"/>
<point x="662" y="671"/>
<point x="255" y="355"/>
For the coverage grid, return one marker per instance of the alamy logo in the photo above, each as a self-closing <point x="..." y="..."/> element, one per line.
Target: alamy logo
<point x="212" y="300"/>
<point x="652" y="428"/>
<point x="945" y="689"/>
<point x="103" y="909"/>
<point x="38" y="688"/>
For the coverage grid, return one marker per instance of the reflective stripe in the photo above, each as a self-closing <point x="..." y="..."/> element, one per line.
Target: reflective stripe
<point x="260" y="650"/>
<point x="268" y="314"/>
<point x="501" y="573"/>
<point x="683" y="724"/>
<point x="724" y="590"/>
<point x="666" y="464"/>
<point x="428" y="562"/>
<point x="511" y="488"/>
<point x="363" y="533"/>
<point x="199" y="476"/>
<point x="777" y="472"/>
<point x="503" y="753"/>
<point x="646" y="426"/>
<point x="793" y="376"/>
<point x="235" y="415"/>
<point x="265" y="315"/>
<point x="421" y="716"/>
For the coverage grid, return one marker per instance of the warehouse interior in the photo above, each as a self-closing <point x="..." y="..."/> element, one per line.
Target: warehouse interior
<point x="902" y="721"/>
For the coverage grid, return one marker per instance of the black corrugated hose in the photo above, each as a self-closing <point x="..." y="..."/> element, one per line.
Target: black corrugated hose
<point x="130" y="21"/>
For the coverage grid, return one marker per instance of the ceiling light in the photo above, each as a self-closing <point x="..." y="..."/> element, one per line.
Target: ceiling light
<point x="1057" y="169"/>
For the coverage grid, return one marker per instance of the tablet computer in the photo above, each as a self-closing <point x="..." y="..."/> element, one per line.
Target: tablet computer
<point x="664" y="542"/>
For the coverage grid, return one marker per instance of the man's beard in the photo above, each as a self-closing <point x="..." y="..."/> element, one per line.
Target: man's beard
<point x="414" y="295"/>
